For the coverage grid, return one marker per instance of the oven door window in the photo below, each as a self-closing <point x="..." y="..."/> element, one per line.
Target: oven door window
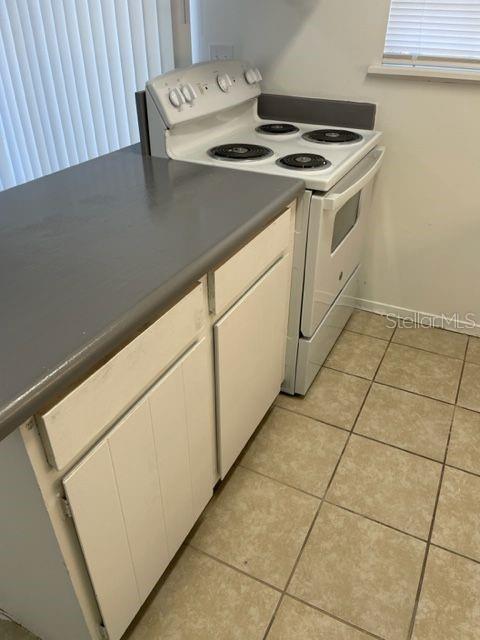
<point x="345" y="220"/>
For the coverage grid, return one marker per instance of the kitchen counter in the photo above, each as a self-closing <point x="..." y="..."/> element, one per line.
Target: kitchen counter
<point x="92" y="254"/>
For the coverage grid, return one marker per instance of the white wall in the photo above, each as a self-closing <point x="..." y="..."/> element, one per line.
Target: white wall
<point x="423" y="254"/>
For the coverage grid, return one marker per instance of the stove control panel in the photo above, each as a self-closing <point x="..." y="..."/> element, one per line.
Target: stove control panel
<point x="203" y="89"/>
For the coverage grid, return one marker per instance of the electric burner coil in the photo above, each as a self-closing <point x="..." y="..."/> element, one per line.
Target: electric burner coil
<point x="332" y="136"/>
<point x="240" y="151"/>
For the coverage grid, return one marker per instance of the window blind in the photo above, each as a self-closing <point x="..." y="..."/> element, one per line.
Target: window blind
<point x="437" y="32"/>
<point x="69" y="70"/>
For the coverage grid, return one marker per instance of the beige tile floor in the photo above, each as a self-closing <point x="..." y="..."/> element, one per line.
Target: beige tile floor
<point x="354" y="512"/>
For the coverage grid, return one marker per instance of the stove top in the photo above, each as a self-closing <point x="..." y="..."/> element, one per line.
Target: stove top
<point x="332" y="136"/>
<point x="277" y="128"/>
<point x="239" y="141"/>
<point x="304" y="161"/>
<point x="240" y="152"/>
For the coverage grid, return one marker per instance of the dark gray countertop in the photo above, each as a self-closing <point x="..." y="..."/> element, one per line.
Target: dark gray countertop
<point x="91" y="254"/>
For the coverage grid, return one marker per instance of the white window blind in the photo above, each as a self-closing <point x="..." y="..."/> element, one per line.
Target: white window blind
<point x="69" y="70"/>
<point x="442" y="33"/>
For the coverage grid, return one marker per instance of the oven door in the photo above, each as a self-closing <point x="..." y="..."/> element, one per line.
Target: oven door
<point x="336" y="233"/>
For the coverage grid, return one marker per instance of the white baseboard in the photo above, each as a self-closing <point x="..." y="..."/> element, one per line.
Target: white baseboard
<point x="419" y="317"/>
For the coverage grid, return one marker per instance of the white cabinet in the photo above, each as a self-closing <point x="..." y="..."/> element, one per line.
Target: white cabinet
<point x="250" y="342"/>
<point x="135" y="497"/>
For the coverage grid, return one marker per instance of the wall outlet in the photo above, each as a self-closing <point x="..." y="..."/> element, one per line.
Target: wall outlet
<point x="221" y="52"/>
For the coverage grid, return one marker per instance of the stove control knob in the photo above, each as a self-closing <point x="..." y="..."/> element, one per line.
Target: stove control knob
<point x="224" y="82"/>
<point x="176" y="98"/>
<point x="188" y="92"/>
<point x="251" y="76"/>
<point x="258" y="74"/>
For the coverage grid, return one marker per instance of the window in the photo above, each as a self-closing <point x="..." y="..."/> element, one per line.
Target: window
<point x="69" y="70"/>
<point x="438" y="33"/>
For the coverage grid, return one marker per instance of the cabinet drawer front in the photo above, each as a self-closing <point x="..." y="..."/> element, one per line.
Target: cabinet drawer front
<point x="312" y="352"/>
<point x="234" y="277"/>
<point x="85" y="413"/>
<point x="250" y="342"/>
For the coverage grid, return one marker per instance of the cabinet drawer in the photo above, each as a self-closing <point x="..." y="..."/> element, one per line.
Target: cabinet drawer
<point x="79" y="418"/>
<point x="312" y="352"/>
<point x="234" y="277"/>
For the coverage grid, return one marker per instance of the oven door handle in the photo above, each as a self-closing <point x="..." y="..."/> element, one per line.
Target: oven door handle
<point x="354" y="181"/>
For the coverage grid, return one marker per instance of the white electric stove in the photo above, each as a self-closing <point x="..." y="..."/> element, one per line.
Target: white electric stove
<point x="207" y="114"/>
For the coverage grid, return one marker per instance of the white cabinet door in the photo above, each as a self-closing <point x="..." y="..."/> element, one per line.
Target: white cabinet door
<point x="96" y="506"/>
<point x="250" y="342"/>
<point x="167" y="405"/>
<point x="137" y="494"/>
<point x="133" y="456"/>
<point x="198" y="379"/>
<point x="182" y="409"/>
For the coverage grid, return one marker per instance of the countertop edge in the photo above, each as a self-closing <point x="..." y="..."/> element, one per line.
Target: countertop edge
<point x="80" y="364"/>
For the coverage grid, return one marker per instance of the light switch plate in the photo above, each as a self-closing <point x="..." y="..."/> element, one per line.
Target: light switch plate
<point x="221" y="52"/>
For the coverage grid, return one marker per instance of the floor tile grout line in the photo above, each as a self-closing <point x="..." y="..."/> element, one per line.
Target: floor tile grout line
<point x="235" y="568"/>
<point x="429" y="540"/>
<point x="410" y="346"/>
<point x="460" y="383"/>
<point x="467" y="471"/>
<point x="391" y="386"/>
<point x="397" y="447"/>
<point x="287" y="584"/>
<point x="455" y="553"/>
<point x="414" y="393"/>
<point x="369" y="335"/>
<point x="331" y="615"/>
<point x="274" y="615"/>
<point x="383" y="524"/>
<point x="435" y="353"/>
<point x="305" y="415"/>
<point x="285" y="484"/>
<point x="329" y="484"/>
